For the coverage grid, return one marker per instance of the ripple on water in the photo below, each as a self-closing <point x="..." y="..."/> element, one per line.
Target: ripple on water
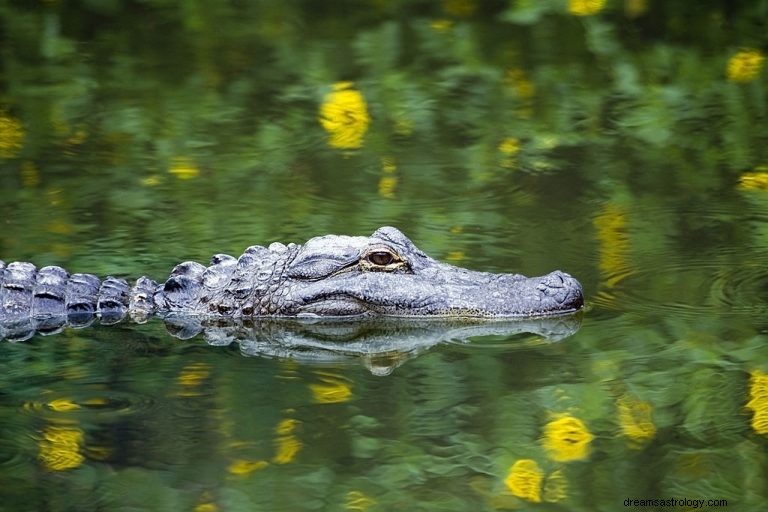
<point x="93" y="406"/>
<point x="687" y="288"/>
<point x="695" y="268"/>
<point x="743" y="289"/>
<point x="13" y="448"/>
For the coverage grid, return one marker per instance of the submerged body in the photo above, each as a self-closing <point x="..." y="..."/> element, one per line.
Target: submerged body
<point x="381" y="275"/>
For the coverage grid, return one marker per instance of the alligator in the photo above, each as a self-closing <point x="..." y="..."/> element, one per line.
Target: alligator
<point x="384" y="274"/>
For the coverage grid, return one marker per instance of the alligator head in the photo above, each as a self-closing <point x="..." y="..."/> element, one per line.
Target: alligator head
<point x="386" y="274"/>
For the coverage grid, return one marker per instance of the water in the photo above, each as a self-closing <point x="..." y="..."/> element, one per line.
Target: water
<point x="622" y="142"/>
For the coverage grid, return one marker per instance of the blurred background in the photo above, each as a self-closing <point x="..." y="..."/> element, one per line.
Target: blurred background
<point x="622" y="141"/>
<point x="161" y="127"/>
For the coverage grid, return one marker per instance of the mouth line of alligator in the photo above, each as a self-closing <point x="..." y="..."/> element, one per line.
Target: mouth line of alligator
<point x="367" y="307"/>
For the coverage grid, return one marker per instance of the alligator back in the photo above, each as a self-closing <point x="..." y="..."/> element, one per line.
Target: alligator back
<point x="46" y="299"/>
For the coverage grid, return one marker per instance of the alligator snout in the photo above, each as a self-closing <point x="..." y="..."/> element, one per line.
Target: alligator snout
<point x="562" y="288"/>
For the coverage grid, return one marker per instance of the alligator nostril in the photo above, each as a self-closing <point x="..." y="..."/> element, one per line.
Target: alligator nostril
<point x="559" y="277"/>
<point x="554" y="280"/>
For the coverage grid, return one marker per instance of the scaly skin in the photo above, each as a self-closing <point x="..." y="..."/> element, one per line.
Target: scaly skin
<point x="381" y="275"/>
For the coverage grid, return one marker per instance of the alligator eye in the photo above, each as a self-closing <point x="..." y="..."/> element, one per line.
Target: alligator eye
<point x="381" y="258"/>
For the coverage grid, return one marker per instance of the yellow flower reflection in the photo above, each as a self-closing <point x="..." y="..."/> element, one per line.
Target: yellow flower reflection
<point x="509" y="146"/>
<point x="11" y="135"/>
<point x="358" y="501"/>
<point x="192" y="378"/>
<point x="98" y="452"/>
<point x="287" y="449"/>
<point x="518" y="81"/>
<point x="387" y="186"/>
<point x="755" y="180"/>
<point x="388" y="181"/>
<point x="344" y="115"/>
<point x="286" y="443"/>
<point x="333" y="389"/>
<point x="30" y="176"/>
<point x="585" y="7"/>
<point x="388" y="165"/>
<point x="245" y="466"/>
<point x="566" y="438"/>
<point x="456" y="256"/>
<point x="287" y="426"/>
<point x="745" y="65"/>
<point x="403" y="125"/>
<point x="60" y="448"/>
<point x="63" y="405"/>
<point x="524" y="480"/>
<point x="441" y="25"/>
<point x="206" y="503"/>
<point x="635" y="419"/>
<point x="758" y="401"/>
<point x="183" y="168"/>
<point x="555" y="487"/>
<point x="151" y="181"/>
<point x="611" y="224"/>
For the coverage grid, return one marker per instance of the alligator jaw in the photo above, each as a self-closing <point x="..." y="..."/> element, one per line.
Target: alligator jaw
<point x="446" y="291"/>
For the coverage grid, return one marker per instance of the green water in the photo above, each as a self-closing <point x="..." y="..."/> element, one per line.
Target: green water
<point x="623" y="142"/>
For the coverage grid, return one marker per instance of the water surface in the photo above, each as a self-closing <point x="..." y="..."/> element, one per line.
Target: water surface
<point x="622" y="142"/>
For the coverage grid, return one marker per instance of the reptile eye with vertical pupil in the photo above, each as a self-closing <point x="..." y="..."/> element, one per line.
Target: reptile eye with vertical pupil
<point x="381" y="258"/>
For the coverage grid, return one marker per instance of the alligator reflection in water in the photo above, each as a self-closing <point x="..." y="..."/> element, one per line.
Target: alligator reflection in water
<point x="381" y="344"/>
